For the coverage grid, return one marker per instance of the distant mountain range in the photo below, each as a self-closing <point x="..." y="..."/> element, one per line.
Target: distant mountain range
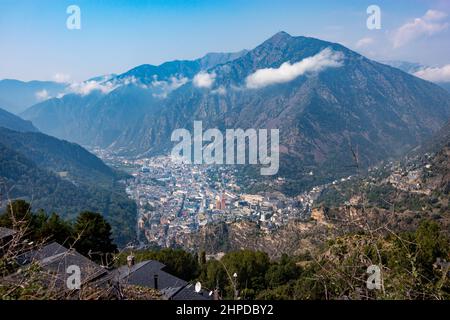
<point x="151" y="75"/>
<point x="445" y="85"/>
<point x="59" y="176"/>
<point x="326" y="99"/>
<point x="409" y="67"/>
<point x="11" y="121"/>
<point x="412" y="68"/>
<point x="16" y="96"/>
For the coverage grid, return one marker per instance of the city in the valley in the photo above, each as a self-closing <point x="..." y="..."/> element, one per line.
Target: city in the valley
<point x="175" y="200"/>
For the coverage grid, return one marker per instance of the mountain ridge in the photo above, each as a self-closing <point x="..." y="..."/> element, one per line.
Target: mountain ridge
<point x="63" y="177"/>
<point x="362" y="104"/>
<point x="13" y="122"/>
<point x="16" y="95"/>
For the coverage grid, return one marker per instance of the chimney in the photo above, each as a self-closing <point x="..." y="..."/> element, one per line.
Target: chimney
<point x="155" y="279"/>
<point x="130" y="261"/>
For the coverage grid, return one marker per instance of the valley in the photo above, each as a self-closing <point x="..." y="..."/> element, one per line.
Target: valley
<point x="60" y="177"/>
<point x="358" y="104"/>
<point x="225" y="150"/>
<point x="335" y="123"/>
<point x="175" y="201"/>
<point x="207" y="207"/>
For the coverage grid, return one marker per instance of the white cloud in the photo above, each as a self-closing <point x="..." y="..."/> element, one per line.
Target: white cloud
<point x="220" y="91"/>
<point x="86" y="87"/>
<point x="42" y="95"/>
<point x="61" y="77"/>
<point x="364" y="42"/>
<point x="204" y="79"/>
<point x="434" y="15"/>
<point x="116" y="83"/>
<point x="428" y="25"/>
<point x="327" y="58"/>
<point x="163" y="88"/>
<point x="129" y="80"/>
<point x="440" y="74"/>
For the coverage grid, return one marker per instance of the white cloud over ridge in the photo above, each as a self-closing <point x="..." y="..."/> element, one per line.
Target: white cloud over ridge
<point x="327" y="58"/>
<point x="42" y="95"/>
<point x="437" y="74"/>
<point x="431" y="23"/>
<point x="220" y="91"/>
<point x="86" y="87"/>
<point x="103" y="86"/>
<point x="159" y="88"/>
<point x="204" y="79"/>
<point x="163" y="88"/>
<point x="364" y="42"/>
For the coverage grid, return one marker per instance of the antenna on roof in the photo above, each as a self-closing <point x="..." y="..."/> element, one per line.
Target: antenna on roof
<point x="198" y="287"/>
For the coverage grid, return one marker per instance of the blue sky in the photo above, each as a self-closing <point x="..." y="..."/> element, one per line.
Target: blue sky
<point x="117" y="35"/>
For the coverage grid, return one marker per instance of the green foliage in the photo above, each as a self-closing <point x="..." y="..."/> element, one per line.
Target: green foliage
<point x="338" y="270"/>
<point x="418" y="251"/>
<point x="90" y="235"/>
<point x="408" y="261"/>
<point x="33" y="287"/>
<point x="56" y="229"/>
<point x="430" y="245"/>
<point x="250" y="267"/>
<point x="282" y="272"/>
<point x="29" y="167"/>
<point x="17" y="213"/>
<point x="213" y="275"/>
<point x="94" y="235"/>
<point x="36" y="226"/>
<point x="202" y="259"/>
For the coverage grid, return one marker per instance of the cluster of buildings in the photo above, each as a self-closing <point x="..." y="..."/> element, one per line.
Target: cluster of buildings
<point x="408" y="176"/>
<point x="175" y="200"/>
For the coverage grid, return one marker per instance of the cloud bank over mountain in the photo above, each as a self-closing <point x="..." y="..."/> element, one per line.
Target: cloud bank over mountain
<point x="431" y="23"/>
<point x="327" y="58"/>
<point x="436" y="74"/>
<point x="204" y="80"/>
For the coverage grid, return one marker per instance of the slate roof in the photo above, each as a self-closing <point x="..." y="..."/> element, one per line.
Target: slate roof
<point x="143" y="274"/>
<point x="186" y="293"/>
<point x="47" y="251"/>
<point x="56" y="259"/>
<point x="5" y="232"/>
<point x="173" y="288"/>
